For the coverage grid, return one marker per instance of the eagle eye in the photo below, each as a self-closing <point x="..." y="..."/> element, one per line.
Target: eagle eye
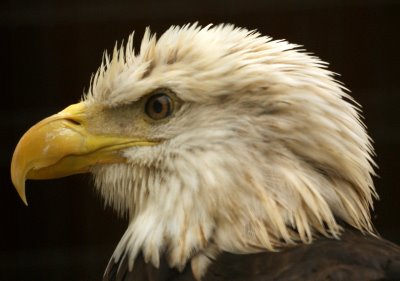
<point x="159" y="106"/>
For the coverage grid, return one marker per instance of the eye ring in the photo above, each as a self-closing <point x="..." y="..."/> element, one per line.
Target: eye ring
<point x="159" y="106"/>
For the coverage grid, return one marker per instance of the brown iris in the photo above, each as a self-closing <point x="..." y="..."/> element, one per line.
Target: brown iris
<point x="159" y="106"/>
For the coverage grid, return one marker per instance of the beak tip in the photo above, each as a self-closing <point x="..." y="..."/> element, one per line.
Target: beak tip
<point x="21" y="192"/>
<point x="22" y="195"/>
<point x="18" y="177"/>
<point x="24" y="200"/>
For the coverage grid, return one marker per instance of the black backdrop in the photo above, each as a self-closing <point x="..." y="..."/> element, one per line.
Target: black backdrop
<point x="49" y="49"/>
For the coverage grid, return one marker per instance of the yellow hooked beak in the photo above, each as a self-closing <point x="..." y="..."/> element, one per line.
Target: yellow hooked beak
<point x="61" y="145"/>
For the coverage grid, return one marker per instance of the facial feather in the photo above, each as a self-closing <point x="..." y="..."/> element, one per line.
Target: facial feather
<point x="265" y="150"/>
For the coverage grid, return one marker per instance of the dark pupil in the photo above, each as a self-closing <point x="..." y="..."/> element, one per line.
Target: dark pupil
<point x="158" y="105"/>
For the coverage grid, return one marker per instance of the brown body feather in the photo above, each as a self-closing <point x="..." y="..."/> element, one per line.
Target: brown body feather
<point x="354" y="257"/>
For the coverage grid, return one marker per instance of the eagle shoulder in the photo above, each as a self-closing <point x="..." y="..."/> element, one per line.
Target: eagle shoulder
<point x="354" y="257"/>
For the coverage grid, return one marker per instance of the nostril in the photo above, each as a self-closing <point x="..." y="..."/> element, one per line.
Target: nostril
<point x="73" y="121"/>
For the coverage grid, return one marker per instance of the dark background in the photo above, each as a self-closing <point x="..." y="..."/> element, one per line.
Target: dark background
<point x="49" y="49"/>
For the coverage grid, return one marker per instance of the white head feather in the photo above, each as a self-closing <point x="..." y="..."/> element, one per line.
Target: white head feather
<point x="266" y="150"/>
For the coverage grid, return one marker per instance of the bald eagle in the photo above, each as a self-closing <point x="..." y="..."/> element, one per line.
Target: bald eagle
<point x="235" y="157"/>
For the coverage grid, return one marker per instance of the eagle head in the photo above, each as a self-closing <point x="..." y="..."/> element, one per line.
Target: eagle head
<point x="212" y="139"/>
